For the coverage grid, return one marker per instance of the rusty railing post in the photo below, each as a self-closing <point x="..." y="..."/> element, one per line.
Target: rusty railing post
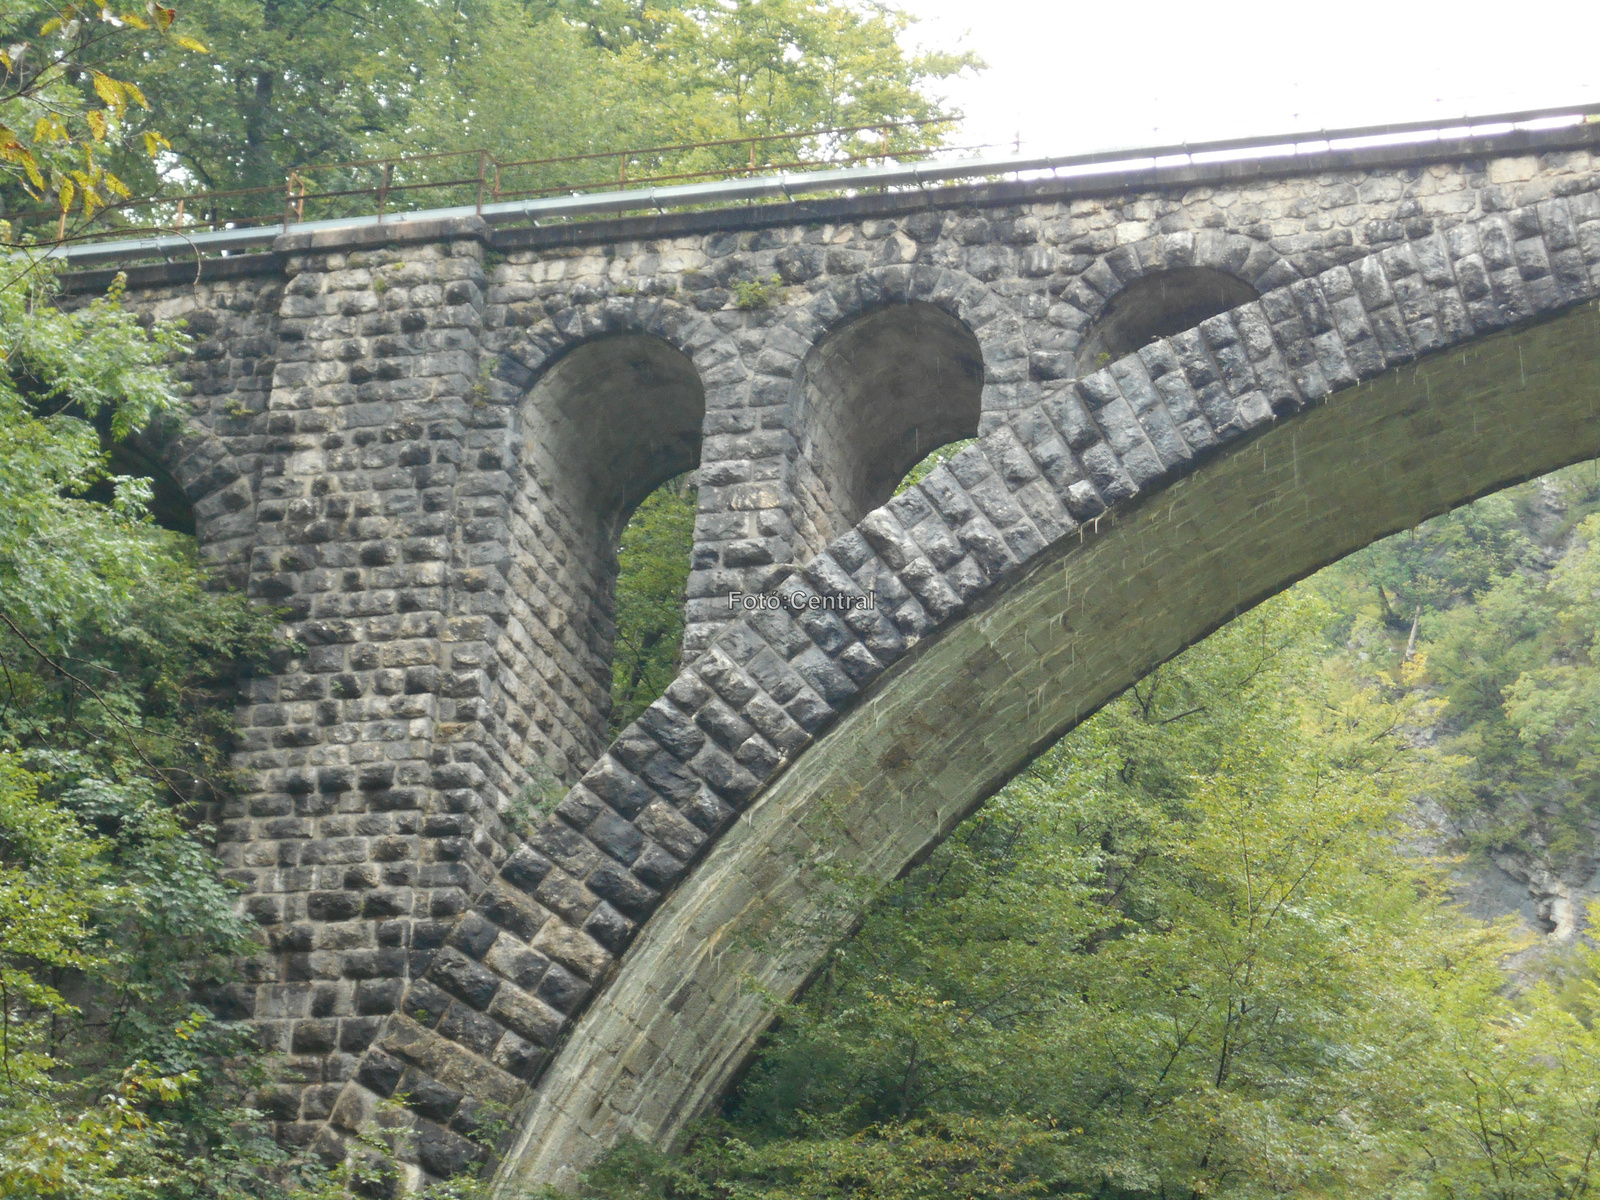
<point x="483" y="167"/>
<point x="383" y="188"/>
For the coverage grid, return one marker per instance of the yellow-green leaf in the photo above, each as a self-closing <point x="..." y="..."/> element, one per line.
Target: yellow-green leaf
<point x="153" y="142"/>
<point x="50" y="129"/>
<point x="135" y="20"/>
<point x="65" y="193"/>
<point x="97" y="123"/>
<point x="188" y="43"/>
<point x="111" y="91"/>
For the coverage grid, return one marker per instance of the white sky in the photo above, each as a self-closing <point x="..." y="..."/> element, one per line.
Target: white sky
<point x="1102" y="73"/>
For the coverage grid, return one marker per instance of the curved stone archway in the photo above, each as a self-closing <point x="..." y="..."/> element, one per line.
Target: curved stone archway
<point x="1419" y="400"/>
<point x="213" y="487"/>
<point x="606" y="423"/>
<point x="951" y="724"/>
<point x="872" y="398"/>
<point x="1145" y="289"/>
<point x="1158" y="305"/>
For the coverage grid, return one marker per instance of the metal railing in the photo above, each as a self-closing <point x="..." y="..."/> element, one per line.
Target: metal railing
<point x="381" y="186"/>
<point x="763" y="182"/>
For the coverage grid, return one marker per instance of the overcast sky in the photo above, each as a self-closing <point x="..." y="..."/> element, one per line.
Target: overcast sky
<point x="1099" y="73"/>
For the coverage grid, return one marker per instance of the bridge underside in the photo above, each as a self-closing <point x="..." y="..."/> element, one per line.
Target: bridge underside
<point x="951" y="723"/>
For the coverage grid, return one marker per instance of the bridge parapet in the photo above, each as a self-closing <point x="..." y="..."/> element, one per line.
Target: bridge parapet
<point x="422" y="442"/>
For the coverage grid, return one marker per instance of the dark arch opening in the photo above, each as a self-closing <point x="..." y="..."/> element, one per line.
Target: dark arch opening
<point x="1157" y="306"/>
<point x="608" y="424"/>
<point x="169" y="504"/>
<point x="874" y="398"/>
<point x="616" y="418"/>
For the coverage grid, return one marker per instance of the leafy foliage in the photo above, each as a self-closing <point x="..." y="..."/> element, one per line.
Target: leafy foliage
<point x="115" y="673"/>
<point x="653" y="571"/>
<point x="66" y="109"/>
<point x="1184" y="955"/>
<point x="1496" y="603"/>
<point x="294" y="83"/>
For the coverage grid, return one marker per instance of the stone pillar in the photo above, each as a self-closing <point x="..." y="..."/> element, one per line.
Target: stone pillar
<point x="374" y="759"/>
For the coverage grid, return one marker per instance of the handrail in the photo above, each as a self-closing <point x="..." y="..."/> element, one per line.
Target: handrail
<point x="1140" y="161"/>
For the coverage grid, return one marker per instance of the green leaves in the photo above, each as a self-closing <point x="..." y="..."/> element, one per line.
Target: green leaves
<point x="116" y="666"/>
<point x="1186" y="954"/>
<point x="653" y="561"/>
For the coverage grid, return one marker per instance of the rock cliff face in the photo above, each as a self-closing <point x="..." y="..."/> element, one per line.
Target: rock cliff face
<point x="1546" y="889"/>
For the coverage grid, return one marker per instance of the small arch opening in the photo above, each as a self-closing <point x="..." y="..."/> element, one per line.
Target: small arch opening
<point x="1156" y="306"/>
<point x="169" y="504"/>
<point x="615" y="419"/>
<point x="612" y="429"/>
<point x="874" y="398"/>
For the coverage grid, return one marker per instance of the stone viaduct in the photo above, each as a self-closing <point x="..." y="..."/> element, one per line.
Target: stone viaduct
<point x="421" y="440"/>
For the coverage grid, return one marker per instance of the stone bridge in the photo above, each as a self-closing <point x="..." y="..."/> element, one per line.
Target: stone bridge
<point x="422" y="439"/>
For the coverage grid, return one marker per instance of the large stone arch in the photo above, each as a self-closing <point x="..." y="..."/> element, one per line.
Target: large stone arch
<point x="543" y="979"/>
<point x="1433" y="372"/>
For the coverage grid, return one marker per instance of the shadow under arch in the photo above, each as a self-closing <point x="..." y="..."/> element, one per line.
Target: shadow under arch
<point x="170" y="507"/>
<point x="953" y="720"/>
<point x="614" y="418"/>
<point x="1158" y="305"/>
<point x="602" y="427"/>
<point x="876" y="395"/>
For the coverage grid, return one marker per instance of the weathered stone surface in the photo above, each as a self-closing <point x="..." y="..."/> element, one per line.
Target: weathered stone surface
<point x="425" y="460"/>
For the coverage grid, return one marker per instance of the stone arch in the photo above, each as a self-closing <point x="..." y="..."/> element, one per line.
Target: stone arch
<point x="205" y="477"/>
<point x="604" y="421"/>
<point x="689" y="332"/>
<point x="1423" y="375"/>
<point x="976" y="339"/>
<point x="613" y="418"/>
<point x="744" y="543"/>
<point x="1158" y="305"/>
<point x="872" y="397"/>
<point x="1159" y="286"/>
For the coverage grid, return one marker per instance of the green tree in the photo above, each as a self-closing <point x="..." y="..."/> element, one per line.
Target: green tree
<point x="294" y="83"/>
<point x="65" y="106"/>
<point x="115" y="672"/>
<point x="1184" y="955"/>
<point x="653" y="562"/>
<point x="762" y="67"/>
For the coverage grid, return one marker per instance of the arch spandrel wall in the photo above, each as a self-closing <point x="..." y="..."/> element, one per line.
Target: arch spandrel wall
<point x="420" y="946"/>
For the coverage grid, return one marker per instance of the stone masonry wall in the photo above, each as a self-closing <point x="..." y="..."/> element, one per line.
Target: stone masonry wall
<point x="356" y="455"/>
